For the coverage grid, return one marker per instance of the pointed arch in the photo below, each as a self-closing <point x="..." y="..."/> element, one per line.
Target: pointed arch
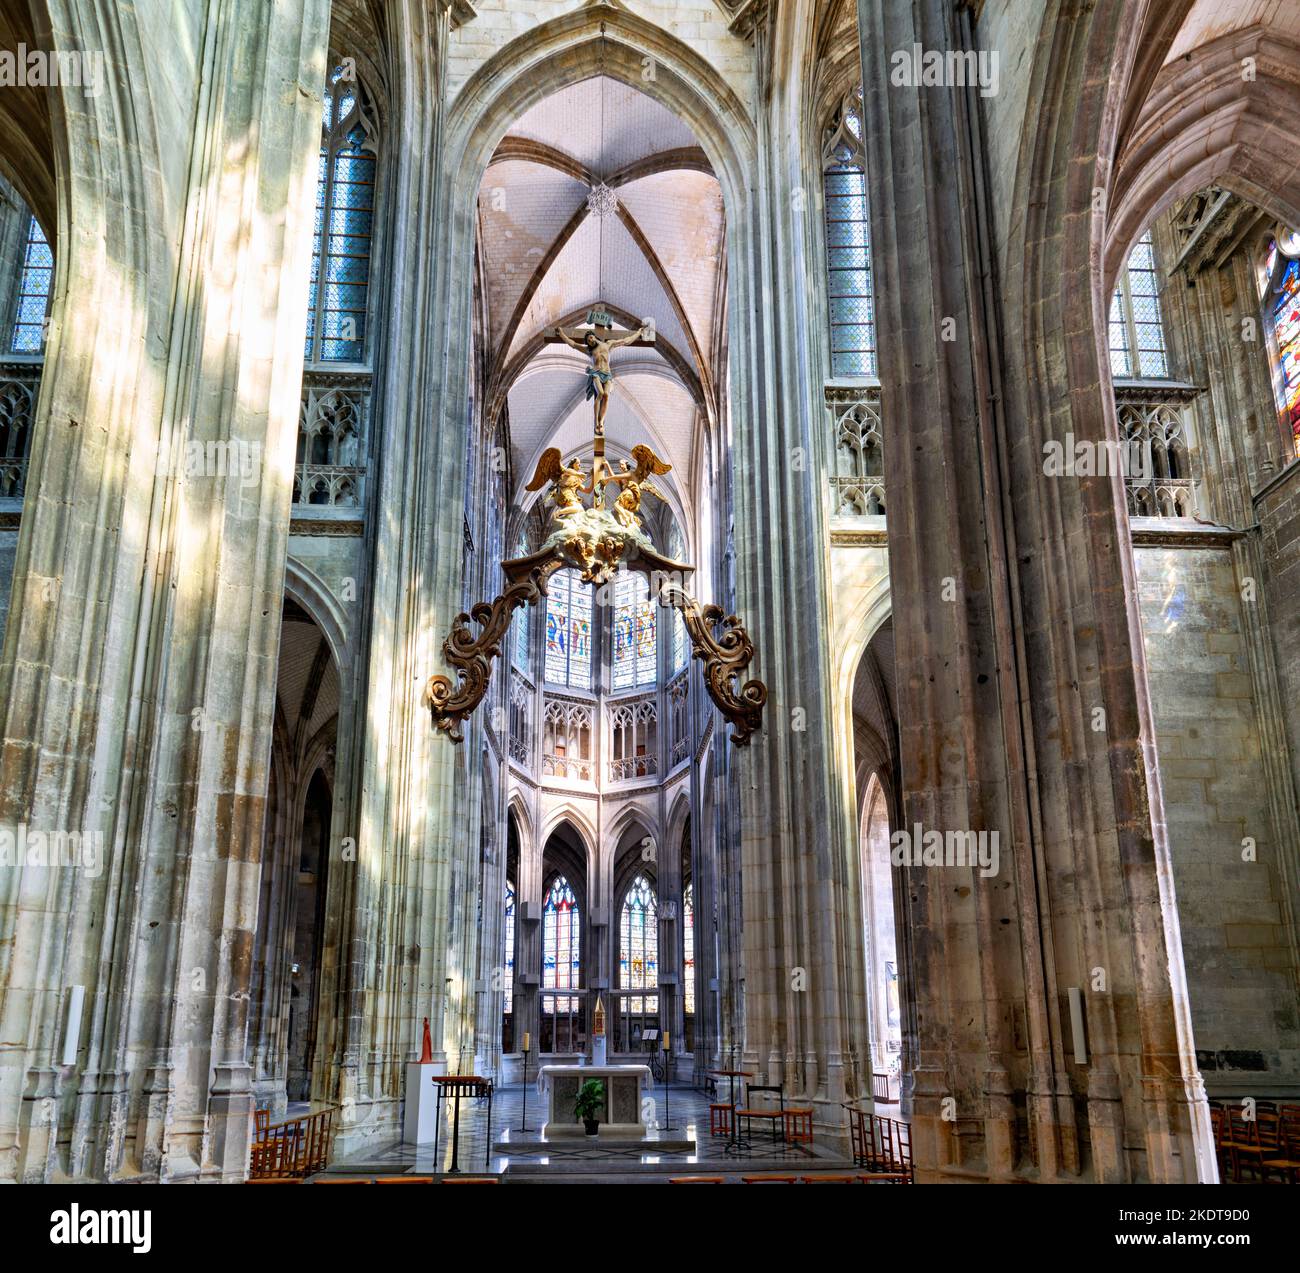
<point x="613" y="42"/>
<point x="313" y="594"/>
<point x="516" y="807"/>
<point x="570" y="813"/>
<point x="679" y="812"/>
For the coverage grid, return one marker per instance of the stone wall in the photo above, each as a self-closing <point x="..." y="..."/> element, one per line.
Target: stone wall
<point x="1277" y="507"/>
<point x="1238" y="959"/>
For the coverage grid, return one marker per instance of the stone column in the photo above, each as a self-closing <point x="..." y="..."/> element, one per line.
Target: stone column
<point x="1014" y="623"/>
<point x="138" y="676"/>
<point x="790" y="841"/>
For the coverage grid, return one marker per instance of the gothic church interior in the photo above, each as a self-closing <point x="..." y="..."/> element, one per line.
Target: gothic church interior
<point x="729" y="560"/>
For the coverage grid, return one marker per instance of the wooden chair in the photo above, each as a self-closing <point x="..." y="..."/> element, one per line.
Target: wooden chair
<point x="261" y="1122"/>
<point x="1241" y="1141"/>
<point x="274" y="1180"/>
<point x="770" y="1180"/>
<point x="798" y="1124"/>
<point x="405" y="1180"/>
<point x="880" y="1144"/>
<point x="719" y="1120"/>
<point x="857" y="1133"/>
<point x="1281" y="1146"/>
<point x="828" y="1180"/>
<point x="884" y="1178"/>
<point x="903" y="1148"/>
<point x="775" y="1116"/>
<point x="695" y="1180"/>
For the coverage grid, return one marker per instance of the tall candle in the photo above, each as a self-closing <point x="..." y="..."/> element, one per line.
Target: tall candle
<point x="527" y="1040"/>
<point x="665" y="1040"/>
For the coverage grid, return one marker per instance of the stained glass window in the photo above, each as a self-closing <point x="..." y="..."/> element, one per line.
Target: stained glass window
<point x="635" y="633"/>
<point x="688" y="948"/>
<point x="561" y="938"/>
<point x="345" y="208"/>
<point x="520" y="643"/>
<point x="679" y="642"/>
<point x="509" y="978"/>
<point x="568" y="631"/>
<point x="28" y="335"/>
<point x="638" y="959"/>
<point x="1286" y="335"/>
<point x="1137" y="334"/>
<point x="848" y="243"/>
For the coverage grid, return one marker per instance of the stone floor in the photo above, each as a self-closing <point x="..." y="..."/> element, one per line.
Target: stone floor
<point x="678" y="1144"/>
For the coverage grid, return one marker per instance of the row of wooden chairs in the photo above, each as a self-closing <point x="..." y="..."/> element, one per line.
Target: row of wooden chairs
<point x="863" y="1178"/>
<point x="1261" y="1140"/>
<point x="880" y="1144"/>
<point x="292" y="1149"/>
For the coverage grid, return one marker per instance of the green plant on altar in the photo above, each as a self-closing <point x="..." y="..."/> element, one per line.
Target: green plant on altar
<point x="590" y="1101"/>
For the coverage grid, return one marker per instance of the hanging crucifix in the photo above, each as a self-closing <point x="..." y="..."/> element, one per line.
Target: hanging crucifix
<point x="597" y="341"/>
<point x="597" y="542"/>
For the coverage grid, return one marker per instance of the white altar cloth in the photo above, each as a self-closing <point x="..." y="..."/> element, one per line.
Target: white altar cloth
<point x="626" y="1087"/>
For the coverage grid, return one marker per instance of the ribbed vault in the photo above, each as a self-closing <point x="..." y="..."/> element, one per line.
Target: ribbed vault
<point x="547" y="259"/>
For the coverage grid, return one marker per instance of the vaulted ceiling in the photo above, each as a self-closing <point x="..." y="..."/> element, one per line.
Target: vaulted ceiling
<point x="547" y="258"/>
<point x="307" y="689"/>
<point x="1209" y="19"/>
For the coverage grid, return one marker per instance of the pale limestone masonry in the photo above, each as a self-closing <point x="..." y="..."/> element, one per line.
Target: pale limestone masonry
<point x="1235" y="941"/>
<point x="216" y="677"/>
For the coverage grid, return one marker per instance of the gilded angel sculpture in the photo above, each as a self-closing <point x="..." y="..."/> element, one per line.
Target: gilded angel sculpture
<point x="634" y="483"/>
<point x="567" y="482"/>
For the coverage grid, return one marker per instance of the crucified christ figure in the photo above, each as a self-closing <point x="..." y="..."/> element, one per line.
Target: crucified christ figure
<point x="599" y="376"/>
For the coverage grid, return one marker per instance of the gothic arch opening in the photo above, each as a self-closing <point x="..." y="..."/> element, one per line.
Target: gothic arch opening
<point x="286" y="1031"/>
<point x="881" y="1010"/>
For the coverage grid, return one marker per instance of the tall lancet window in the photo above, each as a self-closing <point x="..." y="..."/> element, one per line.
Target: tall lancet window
<point x="688" y="948"/>
<point x="1280" y="289"/>
<point x="848" y="242"/>
<point x="509" y="979"/>
<point x="519" y="635"/>
<point x="635" y="633"/>
<point x="1137" y="334"/>
<point x="345" y="211"/>
<point x="561" y="938"/>
<point x="638" y="960"/>
<point x="568" y="631"/>
<point x="28" y="335"/>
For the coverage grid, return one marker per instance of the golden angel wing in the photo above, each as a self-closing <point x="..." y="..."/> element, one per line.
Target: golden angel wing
<point x="548" y="469"/>
<point x="648" y="462"/>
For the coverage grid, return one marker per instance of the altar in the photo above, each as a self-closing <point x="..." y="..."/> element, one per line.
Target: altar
<point x="626" y="1087"/>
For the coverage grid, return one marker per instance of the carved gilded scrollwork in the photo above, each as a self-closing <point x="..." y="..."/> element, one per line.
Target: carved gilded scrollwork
<point x="725" y="656"/>
<point x="452" y="702"/>
<point x="725" y="659"/>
